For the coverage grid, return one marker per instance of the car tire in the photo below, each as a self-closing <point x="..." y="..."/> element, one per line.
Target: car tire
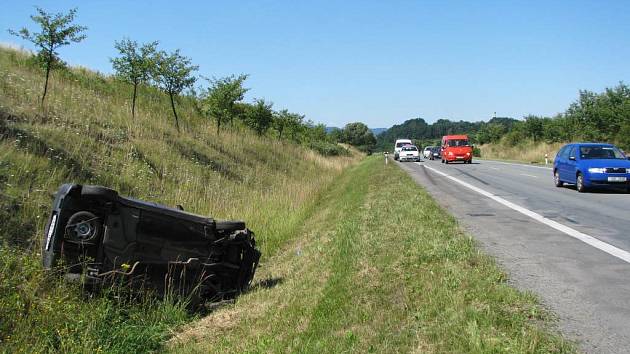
<point x="579" y="183"/>
<point x="229" y="226"/>
<point x="99" y="192"/>
<point x="556" y="179"/>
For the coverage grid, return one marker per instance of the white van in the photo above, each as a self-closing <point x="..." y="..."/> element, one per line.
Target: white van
<point x="398" y="146"/>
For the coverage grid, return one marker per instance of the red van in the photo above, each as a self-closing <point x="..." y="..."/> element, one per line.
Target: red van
<point x="456" y="148"/>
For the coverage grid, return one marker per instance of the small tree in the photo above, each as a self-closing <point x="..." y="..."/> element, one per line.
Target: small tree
<point x="57" y="31"/>
<point x="260" y="116"/>
<point x="134" y="65"/>
<point x="174" y="74"/>
<point x="219" y="100"/>
<point x="284" y="120"/>
<point x="296" y="126"/>
<point x="358" y="134"/>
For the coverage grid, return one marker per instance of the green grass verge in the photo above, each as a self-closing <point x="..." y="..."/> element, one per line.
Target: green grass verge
<point x="379" y="267"/>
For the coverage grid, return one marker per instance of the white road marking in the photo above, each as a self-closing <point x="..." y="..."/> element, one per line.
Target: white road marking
<point x="589" y="240"/>
<point x="517" y="164"/>
<point x="525" y="174"/>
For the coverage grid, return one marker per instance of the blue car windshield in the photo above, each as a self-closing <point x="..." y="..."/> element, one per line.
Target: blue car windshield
<point x="600" y="152"/>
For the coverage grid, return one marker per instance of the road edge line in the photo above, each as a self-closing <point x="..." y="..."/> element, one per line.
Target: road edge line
<point x="589" y="240"/>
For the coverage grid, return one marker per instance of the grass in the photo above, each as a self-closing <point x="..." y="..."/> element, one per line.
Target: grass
<point x="85" y="134"/>
<point x="378" y="267"/>
<point x="527" y="151"/>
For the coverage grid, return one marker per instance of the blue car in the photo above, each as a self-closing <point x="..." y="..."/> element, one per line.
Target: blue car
<point x="591" y="165"/>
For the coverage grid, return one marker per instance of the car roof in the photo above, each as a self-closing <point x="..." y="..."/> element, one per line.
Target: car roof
<point x="455" y="137"/>
<point x="591" y="144"/>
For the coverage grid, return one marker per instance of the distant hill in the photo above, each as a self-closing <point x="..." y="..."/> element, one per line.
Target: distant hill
<point x="426" y="134"/>
<point x="377" y="131"/>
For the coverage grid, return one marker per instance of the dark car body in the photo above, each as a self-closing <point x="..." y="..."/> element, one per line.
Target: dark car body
<point x="435" y="153"/>
<point x="97" y="234"/>
<point x="590" y="165"/>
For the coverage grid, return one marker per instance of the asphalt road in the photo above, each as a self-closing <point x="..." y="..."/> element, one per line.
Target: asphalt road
<point x="569" y="248"/>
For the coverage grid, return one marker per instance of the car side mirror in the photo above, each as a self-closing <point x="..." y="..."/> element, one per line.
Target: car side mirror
<point x="572" y="158"/>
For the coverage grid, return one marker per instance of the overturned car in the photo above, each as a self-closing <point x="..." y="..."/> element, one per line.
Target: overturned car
<point x="95" y="235"/>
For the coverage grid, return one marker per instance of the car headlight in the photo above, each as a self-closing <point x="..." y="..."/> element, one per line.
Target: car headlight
<point x="450" y="153"/>
<point x="467" y="154"/>
<point x="596" y="170"/>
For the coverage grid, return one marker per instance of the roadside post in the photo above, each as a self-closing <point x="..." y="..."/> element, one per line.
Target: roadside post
<point x="386" y="155"/>
<point x="546" y="159"/>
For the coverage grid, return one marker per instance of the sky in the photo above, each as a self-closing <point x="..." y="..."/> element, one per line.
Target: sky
<point x="378" y="62"/>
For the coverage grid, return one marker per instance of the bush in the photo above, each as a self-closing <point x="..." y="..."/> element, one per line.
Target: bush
<point x="328" y="149"/>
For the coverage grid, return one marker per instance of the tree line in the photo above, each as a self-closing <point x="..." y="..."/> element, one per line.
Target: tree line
<point x="145" y="64"/>
<point x="601" y="117"/>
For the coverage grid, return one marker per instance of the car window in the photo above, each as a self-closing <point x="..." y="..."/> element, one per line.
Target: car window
<point x="458" y="142"/>
<point x="571" y="152"/>
<point x="401" y="144"/>
<point x="564" y="152"/>
<point x="409" y="148"/>
<point x="600" y="152"/>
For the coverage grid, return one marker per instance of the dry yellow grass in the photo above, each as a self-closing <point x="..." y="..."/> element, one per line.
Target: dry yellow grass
<point x="526" y="151"/>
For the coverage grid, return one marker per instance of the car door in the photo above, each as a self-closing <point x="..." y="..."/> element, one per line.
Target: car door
<point x="560" y="161"/>
<point x="571" y="165"/>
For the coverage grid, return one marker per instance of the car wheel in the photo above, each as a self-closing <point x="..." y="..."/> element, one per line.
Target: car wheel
<point x="556" y="179"/>
<point x="83" y="226"/>
<point x="99" y="192"/>
<point x="579" y="183"/>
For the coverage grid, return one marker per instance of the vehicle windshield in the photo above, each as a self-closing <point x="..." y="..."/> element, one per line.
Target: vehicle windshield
<point x="409" y="148"/>
<point x="401" y="144"/>
<point x="600" y="152"/>
<point x="458" y="142"/>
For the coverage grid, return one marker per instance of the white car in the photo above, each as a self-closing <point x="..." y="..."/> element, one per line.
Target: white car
<point x="427" y="152"/>
<point x="398" y="146"/>
<point x="409" y="153"/>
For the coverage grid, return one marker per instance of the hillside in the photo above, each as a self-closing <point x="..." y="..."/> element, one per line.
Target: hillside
<point x="85" y="134"/>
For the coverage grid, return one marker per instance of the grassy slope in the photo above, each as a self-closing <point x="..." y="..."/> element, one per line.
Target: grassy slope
<point x="377" y="268"/>
<point x="526" y="151"/>
<point x="86" y="135"/>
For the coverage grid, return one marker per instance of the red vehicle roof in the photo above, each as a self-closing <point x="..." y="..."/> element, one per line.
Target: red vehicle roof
<point x="448" y="137"/>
